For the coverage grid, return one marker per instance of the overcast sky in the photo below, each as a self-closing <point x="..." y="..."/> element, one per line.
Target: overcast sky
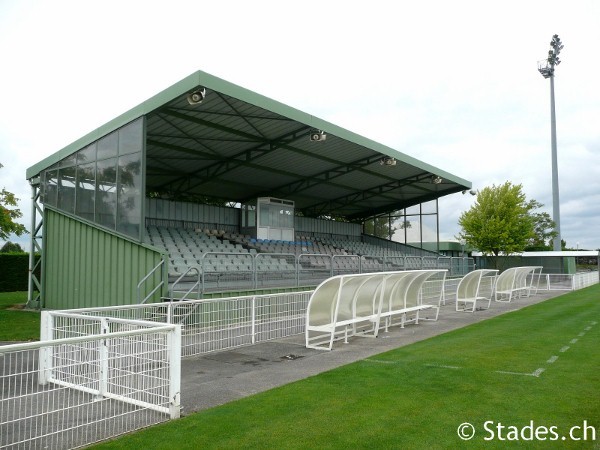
<point x="452" y="83"/>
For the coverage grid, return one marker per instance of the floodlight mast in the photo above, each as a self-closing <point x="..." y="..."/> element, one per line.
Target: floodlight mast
<point x="546" y="68"/>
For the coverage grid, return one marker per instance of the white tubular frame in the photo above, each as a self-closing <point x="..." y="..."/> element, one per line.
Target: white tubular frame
<point x="355" y="304"/>
<point x="469" y="287"/>
<point x="517" y="282"/>
<point x="90" y="379"/>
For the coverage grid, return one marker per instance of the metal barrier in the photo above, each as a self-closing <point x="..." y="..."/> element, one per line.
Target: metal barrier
<point x="369" y="264"/>
<point x="585" y="279"/>
<point x="275" y="270"/>
<point x="227" y="271"/>
<point x="391" y="263"/>
<point x="108" y="378"/>
<point x="346" y="264"/>
<point x="313" y="268"/>
<point x="566" y="282"/>
<point x="223" y="271"/>
<point x="219" y="324"/>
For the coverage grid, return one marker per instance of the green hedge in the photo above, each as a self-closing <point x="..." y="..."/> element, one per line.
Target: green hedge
<point x="14" y="269"/>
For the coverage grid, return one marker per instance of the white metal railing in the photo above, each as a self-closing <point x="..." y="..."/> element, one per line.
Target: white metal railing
<point x="101" y="372"/>
<point x="89" y="379"/>
<point x="218" y="324"/>
<point x="585" y="279"/>
<point x="567" y="282"/>
<point x="219" y="272"/>
<point x="143" y="281"/>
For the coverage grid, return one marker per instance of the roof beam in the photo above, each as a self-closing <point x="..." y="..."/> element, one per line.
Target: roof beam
<point x="342" y="202"/>
<point x="224" y="165"/>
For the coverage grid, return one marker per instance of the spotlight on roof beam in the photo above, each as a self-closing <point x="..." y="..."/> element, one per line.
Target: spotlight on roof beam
<point x="436" y="180"/>
<point x="387" y="161"/>
<point x="472" y="192"/>
<point x="196" y="97"/>
<point x="317" y="135"/>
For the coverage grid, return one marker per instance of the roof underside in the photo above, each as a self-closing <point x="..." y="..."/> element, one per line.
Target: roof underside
<point x="237" y="145"/>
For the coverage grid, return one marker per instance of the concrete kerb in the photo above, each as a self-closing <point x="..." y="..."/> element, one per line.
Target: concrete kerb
<point x="217" y="378"/>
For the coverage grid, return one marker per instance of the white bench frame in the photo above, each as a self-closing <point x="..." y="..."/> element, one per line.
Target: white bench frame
<point x="467" y="291"/>
<point x="512" y="283"/>
<point x="354" y="304"/>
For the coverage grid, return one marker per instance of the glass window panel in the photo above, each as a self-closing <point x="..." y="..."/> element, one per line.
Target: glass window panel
<point x="130" y="138"/>
<point x="51" y="187"/>
<point x="430" y="230"/>
<point x="86" y="188"/>
<point x="413" y="210"/>
<point x="87" y="154"/>
<point x="106" y="192"/>
<point x="66" y="188"/>
<point x="69" y="161"/>
<point x="129" y="188"/>
<point x="264" y="215"/>
<point x="429" y="207"/>
<point x="107" y="146"/>
<point x="251" y="216"/>
<point x="287" y="218"/>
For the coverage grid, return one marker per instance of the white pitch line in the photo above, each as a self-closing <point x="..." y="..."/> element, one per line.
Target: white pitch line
<point x="573" y="341"/>
<point x="535" y="373"/>
<point x="381" y="362"/>
<point x="442" y="366"/>
<point x="582" y="334"/>
<point x="593" y="322"/>
<point x="564" y="349"/>
<point x="515" y="373"/>
<point x="552" y="359"/>
<point x="587" y="328"/>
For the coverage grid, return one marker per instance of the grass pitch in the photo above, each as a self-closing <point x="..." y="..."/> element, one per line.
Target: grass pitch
<point x="526" y="379"/>
<point x="17" y="324"/>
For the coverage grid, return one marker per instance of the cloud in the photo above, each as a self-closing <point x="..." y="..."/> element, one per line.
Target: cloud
<point x="454" y="84"/>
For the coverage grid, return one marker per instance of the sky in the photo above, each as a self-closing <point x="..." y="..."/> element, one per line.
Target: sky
<point x="453" y="84"/>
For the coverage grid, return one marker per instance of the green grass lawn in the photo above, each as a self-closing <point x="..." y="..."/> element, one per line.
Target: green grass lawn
<point x="17" y="324"/>
<point x="417" y="396"/>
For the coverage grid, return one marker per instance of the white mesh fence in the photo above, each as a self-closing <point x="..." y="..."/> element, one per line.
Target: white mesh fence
<point x="218" y="324"/>
<point x="112" y="378"/>
<point x="101" y="372"/>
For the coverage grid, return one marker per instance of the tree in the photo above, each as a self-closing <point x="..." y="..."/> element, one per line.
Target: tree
<point x="11" y="247"/>
<point x="544" y="229"/>
<point x="8" y="215"/>
<point x="501" y="221"/>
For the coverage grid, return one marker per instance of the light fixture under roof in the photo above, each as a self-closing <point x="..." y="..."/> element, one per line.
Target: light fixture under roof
<point x="436" y="179"/>
<point x="317" y="135"/>
<point x="387" y="161"/>
<point x="196" y="97"/>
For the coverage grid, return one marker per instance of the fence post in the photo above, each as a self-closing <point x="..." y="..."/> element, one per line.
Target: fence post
<point x="331" y="265"/>
<point x="253" y="320"/>
<point x="174" y="349"/>
<point x="103" y="358"/>
<point x="45" y="353"/>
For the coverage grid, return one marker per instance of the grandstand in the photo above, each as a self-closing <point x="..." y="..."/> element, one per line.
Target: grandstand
<point x="210" y="187"/>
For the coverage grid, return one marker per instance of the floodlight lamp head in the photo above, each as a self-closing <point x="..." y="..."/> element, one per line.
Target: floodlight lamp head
<point x="317" y="135"/>
<point x="196" y="97"/>
<point x="436" y="179"/>
<point x="387" y="161"/>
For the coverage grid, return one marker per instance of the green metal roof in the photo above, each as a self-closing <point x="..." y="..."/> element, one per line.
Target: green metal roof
<point x="239" y="145"/>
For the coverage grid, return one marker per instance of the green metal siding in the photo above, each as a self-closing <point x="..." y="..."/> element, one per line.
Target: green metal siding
<point x="86" y="266"/>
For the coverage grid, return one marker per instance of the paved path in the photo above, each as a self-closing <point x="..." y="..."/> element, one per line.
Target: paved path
<point x="217" y="378"/>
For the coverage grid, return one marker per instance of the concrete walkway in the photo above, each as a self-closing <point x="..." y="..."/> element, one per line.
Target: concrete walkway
<point x="217" y="378"/>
